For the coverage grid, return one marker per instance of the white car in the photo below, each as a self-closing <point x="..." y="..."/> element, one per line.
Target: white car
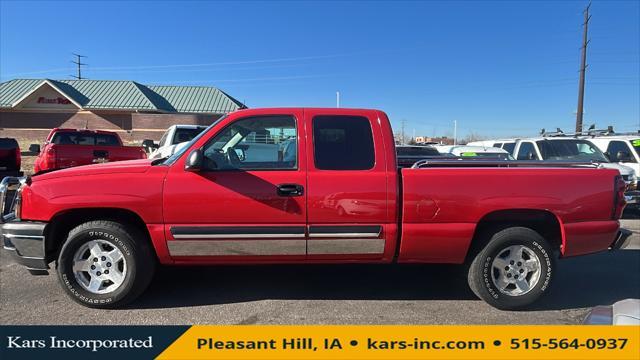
<point x="624" y="150"/>
<point x="506" y="144"/>
<point x="624" y="312"/>
<point x="463" y="151"/>
<point x="564" y="148"/>
<point x="174" y="139"/>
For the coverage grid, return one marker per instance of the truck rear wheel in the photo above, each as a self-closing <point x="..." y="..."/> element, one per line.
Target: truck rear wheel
<point x="104" y="264"/>
<point x="513" y="270"/>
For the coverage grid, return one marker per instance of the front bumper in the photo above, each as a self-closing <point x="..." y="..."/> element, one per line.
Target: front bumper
<point x="25" y="241"/>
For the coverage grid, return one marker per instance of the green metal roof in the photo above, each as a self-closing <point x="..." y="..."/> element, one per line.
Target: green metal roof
<point x="125" y="95"/>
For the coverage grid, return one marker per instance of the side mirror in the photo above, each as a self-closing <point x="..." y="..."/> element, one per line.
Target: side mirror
<point x="149" y="144"/>
<point x="194" y="161"/>
<point x="623" y="156"/>
<point x="34" y="148"/>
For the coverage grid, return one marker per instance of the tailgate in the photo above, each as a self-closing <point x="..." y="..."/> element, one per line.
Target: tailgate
<point x="76" y="155"/>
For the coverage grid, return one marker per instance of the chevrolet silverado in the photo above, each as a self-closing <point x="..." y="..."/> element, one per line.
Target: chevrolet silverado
<point x="308" y="185"/>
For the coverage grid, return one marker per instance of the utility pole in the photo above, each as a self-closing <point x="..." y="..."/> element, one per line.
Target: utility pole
<point x="402" y="132"/>
<point x="337" y="99"/>
<point x="583" y="68"/>
<point x="455" y="132"/>
<point x="79" y="63"/>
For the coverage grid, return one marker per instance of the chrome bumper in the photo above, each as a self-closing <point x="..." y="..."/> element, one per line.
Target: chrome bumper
<point x="25" y="241"/>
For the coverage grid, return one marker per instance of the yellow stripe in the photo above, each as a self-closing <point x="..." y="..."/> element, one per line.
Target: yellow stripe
<point x="406" y="342"/>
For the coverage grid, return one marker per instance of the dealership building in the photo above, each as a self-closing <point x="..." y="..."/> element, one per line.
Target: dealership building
<point x="30" y="108"/>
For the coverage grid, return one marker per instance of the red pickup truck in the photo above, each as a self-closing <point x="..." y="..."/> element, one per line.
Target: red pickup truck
<point x="302" y="185"/>
<point x="66" y="148"/>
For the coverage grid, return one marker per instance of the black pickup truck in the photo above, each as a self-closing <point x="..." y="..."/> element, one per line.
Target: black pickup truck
<point x="10" y="159"/>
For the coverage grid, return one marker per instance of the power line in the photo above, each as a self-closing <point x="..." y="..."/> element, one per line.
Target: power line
<point x="80" y="64"/>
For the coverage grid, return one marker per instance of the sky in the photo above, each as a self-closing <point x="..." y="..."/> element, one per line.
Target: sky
<point x="498" y="68"/>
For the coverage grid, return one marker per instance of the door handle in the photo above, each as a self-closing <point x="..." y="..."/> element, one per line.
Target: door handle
<point x="290" y="190"/>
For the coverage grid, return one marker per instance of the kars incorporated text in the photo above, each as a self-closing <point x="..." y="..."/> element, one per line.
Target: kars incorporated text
<point x="53" y="342"/>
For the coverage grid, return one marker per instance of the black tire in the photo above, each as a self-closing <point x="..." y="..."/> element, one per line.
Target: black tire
<point x="482" y="273"/>
<point x="138" y="256"/>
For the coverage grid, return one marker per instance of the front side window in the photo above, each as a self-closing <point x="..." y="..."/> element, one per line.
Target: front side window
<point x="342" y="143"/>
<point x="615" y="147"/>
<point x="258" y="143"/>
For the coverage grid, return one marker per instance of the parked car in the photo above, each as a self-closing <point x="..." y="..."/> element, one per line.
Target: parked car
<point x="466" y="151"/>
<point x="107" y="225"/>
<point x="173" y="138"/>
<point x="66" y="148"/>
<point x="407" y="155"/>
<point x="624" y="312"/>
<point x="624" y="150"/>
<point x="506" y="144"/>
<point x="565" y="148"/>
<point x="10" y="158"/>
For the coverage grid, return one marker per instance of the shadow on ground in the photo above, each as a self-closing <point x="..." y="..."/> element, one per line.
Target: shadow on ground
<point x="580" y="282"/>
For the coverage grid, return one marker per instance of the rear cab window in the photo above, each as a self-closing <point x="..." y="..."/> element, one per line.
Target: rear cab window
<point x="84" y="138"/>
<point x="342" y="142"/>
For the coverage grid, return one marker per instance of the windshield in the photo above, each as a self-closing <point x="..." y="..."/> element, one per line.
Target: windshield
<point x="636" y="145"/>
<point x="170" y="160"/>
<point x="570" y="149"/>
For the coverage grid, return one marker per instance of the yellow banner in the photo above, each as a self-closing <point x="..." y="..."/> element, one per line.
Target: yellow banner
<point x="407" y="342"/>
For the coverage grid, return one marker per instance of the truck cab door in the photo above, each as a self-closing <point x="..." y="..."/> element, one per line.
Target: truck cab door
<point x="248" y="201"/>
<point x="349" y="210"/>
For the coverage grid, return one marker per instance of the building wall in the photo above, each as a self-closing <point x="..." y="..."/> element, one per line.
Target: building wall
<point x="36" y="125"/>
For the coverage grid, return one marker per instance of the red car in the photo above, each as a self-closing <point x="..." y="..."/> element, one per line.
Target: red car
<point x="237" y="195"/>
<point x="66" y="148"/>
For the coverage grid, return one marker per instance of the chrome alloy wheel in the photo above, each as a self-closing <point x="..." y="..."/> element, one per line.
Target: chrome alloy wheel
<point x="516" y="270"/>
<point x="99" y="267"/>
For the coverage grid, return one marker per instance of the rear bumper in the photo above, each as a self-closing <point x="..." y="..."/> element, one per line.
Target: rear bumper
<point x="622" y="240"/>
<point x="25" y="241"/>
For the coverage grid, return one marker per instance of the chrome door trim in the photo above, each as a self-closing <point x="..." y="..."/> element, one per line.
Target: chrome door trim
<point x="345" y="246"/>
<point x="236" y="247"/>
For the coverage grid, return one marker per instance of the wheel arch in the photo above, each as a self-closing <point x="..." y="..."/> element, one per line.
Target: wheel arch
<point x="544" y="222"/>
<point x="64" y="221"/>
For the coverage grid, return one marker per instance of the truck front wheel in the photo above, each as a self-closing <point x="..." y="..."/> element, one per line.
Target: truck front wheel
<point x="513" y="270"/>
<point x="105" y="264"/>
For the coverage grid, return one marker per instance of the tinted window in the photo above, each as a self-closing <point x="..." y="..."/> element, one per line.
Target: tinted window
<point x="416" y="151"/>
<point x="258" y="143"/>
<point x="616" y="146"/>
<point x="342" y="143"/>
<point x="570" y="150"/>
<point x="527" y="152"/>
<point x="509" y="147"/>
<point x="498" y="145"/>
<point x="84" y="138"/>
<point x="184" y="135"/>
